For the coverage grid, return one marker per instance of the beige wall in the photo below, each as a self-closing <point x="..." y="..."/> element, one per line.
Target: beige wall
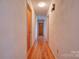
<point x="33" y="27"/>
<point x="64" y="29"/>
<point x="12" y="29"/>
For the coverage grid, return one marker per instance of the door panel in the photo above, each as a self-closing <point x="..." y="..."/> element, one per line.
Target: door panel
<point x="29" y="26"/>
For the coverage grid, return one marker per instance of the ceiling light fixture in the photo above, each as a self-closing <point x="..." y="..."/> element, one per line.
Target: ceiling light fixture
<point x="41" y="4"/>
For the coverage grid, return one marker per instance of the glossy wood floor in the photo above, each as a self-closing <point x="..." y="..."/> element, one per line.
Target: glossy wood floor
<point x="40" y="50"/>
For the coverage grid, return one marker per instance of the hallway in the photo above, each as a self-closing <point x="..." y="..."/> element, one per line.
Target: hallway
<point x="40" y="48"/>
<point x="60" y="29"/>
<point x="39" y="29"/>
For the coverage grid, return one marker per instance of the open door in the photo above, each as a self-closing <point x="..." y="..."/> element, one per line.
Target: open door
<point x="40" y="27"/>
<point x="29" y="26"/>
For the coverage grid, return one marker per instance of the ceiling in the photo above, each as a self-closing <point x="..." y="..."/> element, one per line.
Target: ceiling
<point x="41" y="11"/>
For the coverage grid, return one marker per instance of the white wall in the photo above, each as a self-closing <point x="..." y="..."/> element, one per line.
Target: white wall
<point x="64" y="29"/>
<point x="12" y="29"/>
<point x="34" y="20"/>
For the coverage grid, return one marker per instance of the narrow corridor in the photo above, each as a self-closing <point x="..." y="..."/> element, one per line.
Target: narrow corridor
<point x="40" y="49"/>
<point x="39" y="29"/>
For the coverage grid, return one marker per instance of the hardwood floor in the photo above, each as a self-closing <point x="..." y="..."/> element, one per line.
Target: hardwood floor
<point x="40" y="50"/>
